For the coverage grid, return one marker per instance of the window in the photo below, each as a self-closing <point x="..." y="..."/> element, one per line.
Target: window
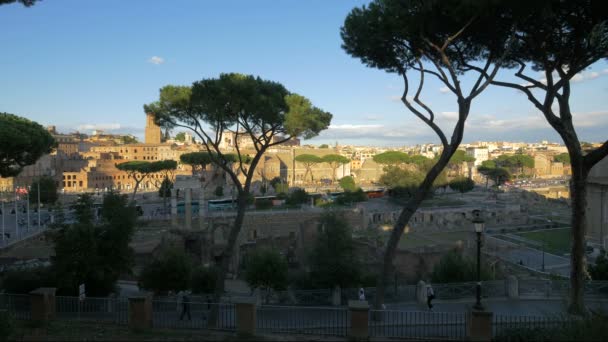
<point x="80" y="184"/>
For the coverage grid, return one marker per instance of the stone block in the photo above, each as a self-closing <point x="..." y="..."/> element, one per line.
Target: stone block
<point x="140" y="311"/>
<point x="246" y="316"/>
<point x="359" y="319"/>
<point x="479" y="325"/>
<point x="43" y="304"/>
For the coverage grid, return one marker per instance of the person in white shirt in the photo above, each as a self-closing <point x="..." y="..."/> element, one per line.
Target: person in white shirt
<point x="361" y="294"/>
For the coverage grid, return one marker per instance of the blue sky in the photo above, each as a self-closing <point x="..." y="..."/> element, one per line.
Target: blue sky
<point x="91" y="64"/>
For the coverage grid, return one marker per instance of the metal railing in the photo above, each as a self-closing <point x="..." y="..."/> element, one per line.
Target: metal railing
<point x="193" y="315"/>
<point x="114" y="310"/>
<point x="503" y="325"/>
<point x="17" y="304"/>
<point x="418" y="324"/>
<point x="302" y="320"/>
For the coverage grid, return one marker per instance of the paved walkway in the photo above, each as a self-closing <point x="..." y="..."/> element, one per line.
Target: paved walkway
<point x="505" y="306"/>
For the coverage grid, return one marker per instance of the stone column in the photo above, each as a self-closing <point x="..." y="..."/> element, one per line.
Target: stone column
<point x="188" y="206"/>
<point x="421" y="292"/>
<point x="201" y="207"/>
<point x="246" y="316"/>
<point x="336" y="296"/>
<point x="479" y="326"/>
<point x="512" y="287"/>
<point x="359" y="320"/>
<point x="174" y="207"/>
<point x="140" y="311"/>
<point x="43" y="304"/>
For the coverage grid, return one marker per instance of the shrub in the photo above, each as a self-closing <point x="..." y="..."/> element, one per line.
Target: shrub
<point x="171" y="271"/>
<point x="352" y="197"/>
<point x="203" y="279"/>
<point x="263" y="204"/>
<point x="219" y="191"/>
<point x="24" y="281"/>
<point x="298" y="196"/>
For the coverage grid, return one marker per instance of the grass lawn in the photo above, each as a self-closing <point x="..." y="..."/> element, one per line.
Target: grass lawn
<point x="557" y="241"/>
<point x="414" y="240"/>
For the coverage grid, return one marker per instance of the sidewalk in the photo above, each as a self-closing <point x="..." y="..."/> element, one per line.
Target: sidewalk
<point x="504" y="306"/>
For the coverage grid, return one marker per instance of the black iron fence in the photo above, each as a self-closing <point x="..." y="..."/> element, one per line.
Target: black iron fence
<point x="302" y="320"/>
<point x="418" y="324"/>
<point x="111" y="309"/>
<point x="193" y="315"/>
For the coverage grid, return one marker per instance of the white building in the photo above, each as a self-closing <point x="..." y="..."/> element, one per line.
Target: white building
<point x="479" y="153"/>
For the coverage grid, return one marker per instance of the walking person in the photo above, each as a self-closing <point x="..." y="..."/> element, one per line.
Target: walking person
<point x="185" y="307"/>
<point x="430" y="295"/>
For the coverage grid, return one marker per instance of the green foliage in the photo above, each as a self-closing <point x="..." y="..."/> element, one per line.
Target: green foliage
<point x="297" y="196"/>
<point x="25" y="280"/>
<point x="498" y="174"/>
<point x="26" y="3"/>
<point x="323" y="146"/>
<point x="266" y="269"/>
<point x="460" y="157"/>
<point x="454" y="267"/>
<point x="95" y="254"/>
<point x="219" y="191"/>
<point x="165" y="188"/>
<point x="333" y="258"/>
<point x="197" y="159"/>
<point x="350" y="197"/>
<point x="303" y="119"/>
<point x="335" y="161"/>
<point x="7" y="326"/>
<point x="392" y="158"/>
<point x="171" y="271"/>
<point x="562" y="158"/>
<point x="203" y="279"/>
<point x="22" y="143"/>
<point x="599" y="271"/>
<point x="129" y="139"/>
<point x="309" y="160"/>
<point x="462" y="184"/>
<point x="402" y="182"/>
<point x="263" y="204"/>
<point x="48" y="191"/>
<point x="348" y="183"/>
<point x="181" y="136"/>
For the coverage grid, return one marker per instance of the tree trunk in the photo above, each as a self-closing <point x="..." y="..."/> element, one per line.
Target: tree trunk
<point x="577" y="255"/>
<point x="226" y="256"/>
<point x="404" y="217"/>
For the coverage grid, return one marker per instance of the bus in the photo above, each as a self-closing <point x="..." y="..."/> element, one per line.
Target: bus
<point x="221" y="204"/>
<point x="181" y="207"/>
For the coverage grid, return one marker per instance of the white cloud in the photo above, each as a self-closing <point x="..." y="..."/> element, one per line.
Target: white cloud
<point x="156" y="60"/>
<point x="395" y="98"/>
<point x="444" y="90"/>
<point x="449" y="115"/>
<point x="103" y="127"/>
<point x="373" y="117"/>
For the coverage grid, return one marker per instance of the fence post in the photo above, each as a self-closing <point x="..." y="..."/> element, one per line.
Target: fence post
<point x="43" y="304"/>
<point x="512" y="287"/>
<point x="140" y="311"/>
<point x="246" y="316"/>
<point x="479" y="325"/>
<point x="421" y="292"/>
<point x="359" y="319"/>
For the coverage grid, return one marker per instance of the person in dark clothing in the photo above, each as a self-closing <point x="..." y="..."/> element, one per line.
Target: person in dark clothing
<point x="430" y="295"/>
<point x="185" y="307"/>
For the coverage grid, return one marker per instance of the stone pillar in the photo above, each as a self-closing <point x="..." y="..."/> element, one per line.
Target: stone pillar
<point x="201" y="207"/>
<point x="43" y="304"/>
<point x="188" y="207"/>
<point x="140" y="311"/>
<point x="421" y="292"/>
<point x="479" y="326"/>
<point x="512" y="287"/>
<point x="336" y="296"/>
<point x="359" y="320"/>
<point x="246" y="316"/>
<point x="174" y="207"/>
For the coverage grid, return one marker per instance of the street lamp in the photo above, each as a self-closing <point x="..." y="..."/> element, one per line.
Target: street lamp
<point x="479" y="224"/>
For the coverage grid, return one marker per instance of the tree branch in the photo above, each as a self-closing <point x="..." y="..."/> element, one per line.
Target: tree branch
<point x="596" y="155"/>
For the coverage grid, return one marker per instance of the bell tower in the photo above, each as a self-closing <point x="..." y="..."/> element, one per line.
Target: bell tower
<point x="153" y="132"/>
